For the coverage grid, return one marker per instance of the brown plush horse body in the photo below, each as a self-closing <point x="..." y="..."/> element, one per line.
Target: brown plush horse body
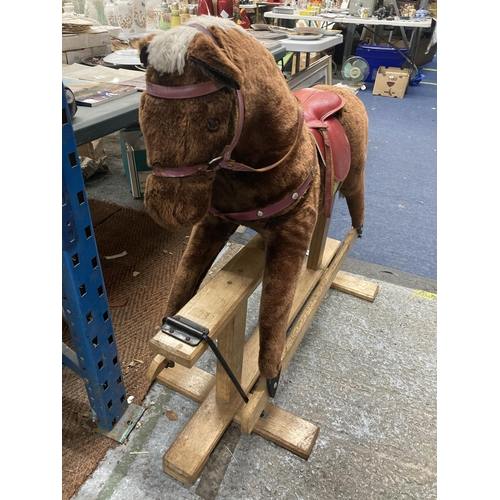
<point x="228" y="145"/>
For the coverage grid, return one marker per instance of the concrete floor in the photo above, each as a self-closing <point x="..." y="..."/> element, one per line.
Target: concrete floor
<point x="365" y="373"/>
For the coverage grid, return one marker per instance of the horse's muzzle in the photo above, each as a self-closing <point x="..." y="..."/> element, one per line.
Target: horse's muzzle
<point x="178" y="203"/>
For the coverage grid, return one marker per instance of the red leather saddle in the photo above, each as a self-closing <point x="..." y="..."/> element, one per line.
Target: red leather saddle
<point x="320" y="107"/>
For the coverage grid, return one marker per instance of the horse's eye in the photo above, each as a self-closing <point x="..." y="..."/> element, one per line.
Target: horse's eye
<point x="213" y="124"/>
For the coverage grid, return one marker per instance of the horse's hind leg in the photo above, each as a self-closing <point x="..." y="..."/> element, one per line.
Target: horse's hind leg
<point x="206" y="241"/>
<point x="354" y="119"/>
<point x="353" y="189"/>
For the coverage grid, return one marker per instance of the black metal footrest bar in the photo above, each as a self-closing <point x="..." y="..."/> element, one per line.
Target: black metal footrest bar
<point x="192" y="333"/>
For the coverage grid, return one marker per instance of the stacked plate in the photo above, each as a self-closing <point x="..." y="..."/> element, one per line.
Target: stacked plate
<point x="283" y="10"/>
<point x="305" y="33"/>
<point x="329" y="32"/>
<point x="75" y="25"/>
<point x="281" y="29"/>
<point x="307" y="30"/>
<point x="126" y="57"/>
<point x="260" y="27"/>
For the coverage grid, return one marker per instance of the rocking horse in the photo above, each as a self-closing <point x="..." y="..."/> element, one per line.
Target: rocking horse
<point x="229" y="144"/>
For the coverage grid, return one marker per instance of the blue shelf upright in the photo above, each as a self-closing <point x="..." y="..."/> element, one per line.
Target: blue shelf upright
<point x="95" y="356"/>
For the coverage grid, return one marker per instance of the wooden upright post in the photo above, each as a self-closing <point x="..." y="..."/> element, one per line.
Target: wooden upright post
<point x="318" y="240"/>
<point x="231" y="344"/>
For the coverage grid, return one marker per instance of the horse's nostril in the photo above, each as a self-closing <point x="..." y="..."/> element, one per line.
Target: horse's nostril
<point x="213" y="124"/>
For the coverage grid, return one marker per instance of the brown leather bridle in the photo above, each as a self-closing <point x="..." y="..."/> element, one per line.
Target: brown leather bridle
<point x="224" y="161"/>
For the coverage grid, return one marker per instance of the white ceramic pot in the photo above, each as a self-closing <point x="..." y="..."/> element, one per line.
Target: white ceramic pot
<point x="111" y="13"/>
<point x="95" y="10"/>
<point x="132" y="16"/>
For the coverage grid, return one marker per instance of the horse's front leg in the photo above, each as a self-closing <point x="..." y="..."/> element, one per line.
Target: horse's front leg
<point x="286" y="247"/>
<point x="206" y="241"/>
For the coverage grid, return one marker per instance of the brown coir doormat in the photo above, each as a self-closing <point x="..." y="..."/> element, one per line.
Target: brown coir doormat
<point x="140" y="299"/>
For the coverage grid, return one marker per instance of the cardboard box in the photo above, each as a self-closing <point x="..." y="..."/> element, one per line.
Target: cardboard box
<point x="391" y="82"/>
<point x="94" y="150"/>
<point x="134" y="160"/>
<point x="313" y="57"/>
<point x="85" y="41"/>
<point x="76" y="56"/>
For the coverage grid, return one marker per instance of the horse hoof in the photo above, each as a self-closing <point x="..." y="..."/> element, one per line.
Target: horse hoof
<point x="360" y="231"/>
<point x="272" y="385"/>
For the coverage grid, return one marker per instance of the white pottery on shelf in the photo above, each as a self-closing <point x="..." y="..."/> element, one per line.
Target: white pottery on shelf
<point x="95" y="10"/>
<point x="131" y="16"/>
<point x="111" y="13"/>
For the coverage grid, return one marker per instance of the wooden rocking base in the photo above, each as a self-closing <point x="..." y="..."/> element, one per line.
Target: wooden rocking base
<point x="225" y="317"/>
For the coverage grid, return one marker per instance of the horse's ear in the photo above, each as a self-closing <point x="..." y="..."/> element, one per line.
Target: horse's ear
<point x="203" y="51"/>
<point x="219" y="75"/>
<point x="142" y="46"/>
<point x="143" y="56"/>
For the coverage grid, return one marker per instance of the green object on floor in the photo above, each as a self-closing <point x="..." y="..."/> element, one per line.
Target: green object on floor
<point x="286" y="61"/>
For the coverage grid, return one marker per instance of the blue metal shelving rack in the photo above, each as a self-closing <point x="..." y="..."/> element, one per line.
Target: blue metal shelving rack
<point x="85" y="304"/>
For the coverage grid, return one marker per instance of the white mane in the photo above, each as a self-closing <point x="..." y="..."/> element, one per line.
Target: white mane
<point x="167" y="52"/>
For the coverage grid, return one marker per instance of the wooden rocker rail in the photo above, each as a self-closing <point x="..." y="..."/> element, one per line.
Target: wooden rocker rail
<point x="226" y="320"/>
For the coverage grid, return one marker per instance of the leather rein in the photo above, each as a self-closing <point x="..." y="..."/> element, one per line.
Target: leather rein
<point x="224" y="161"/>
